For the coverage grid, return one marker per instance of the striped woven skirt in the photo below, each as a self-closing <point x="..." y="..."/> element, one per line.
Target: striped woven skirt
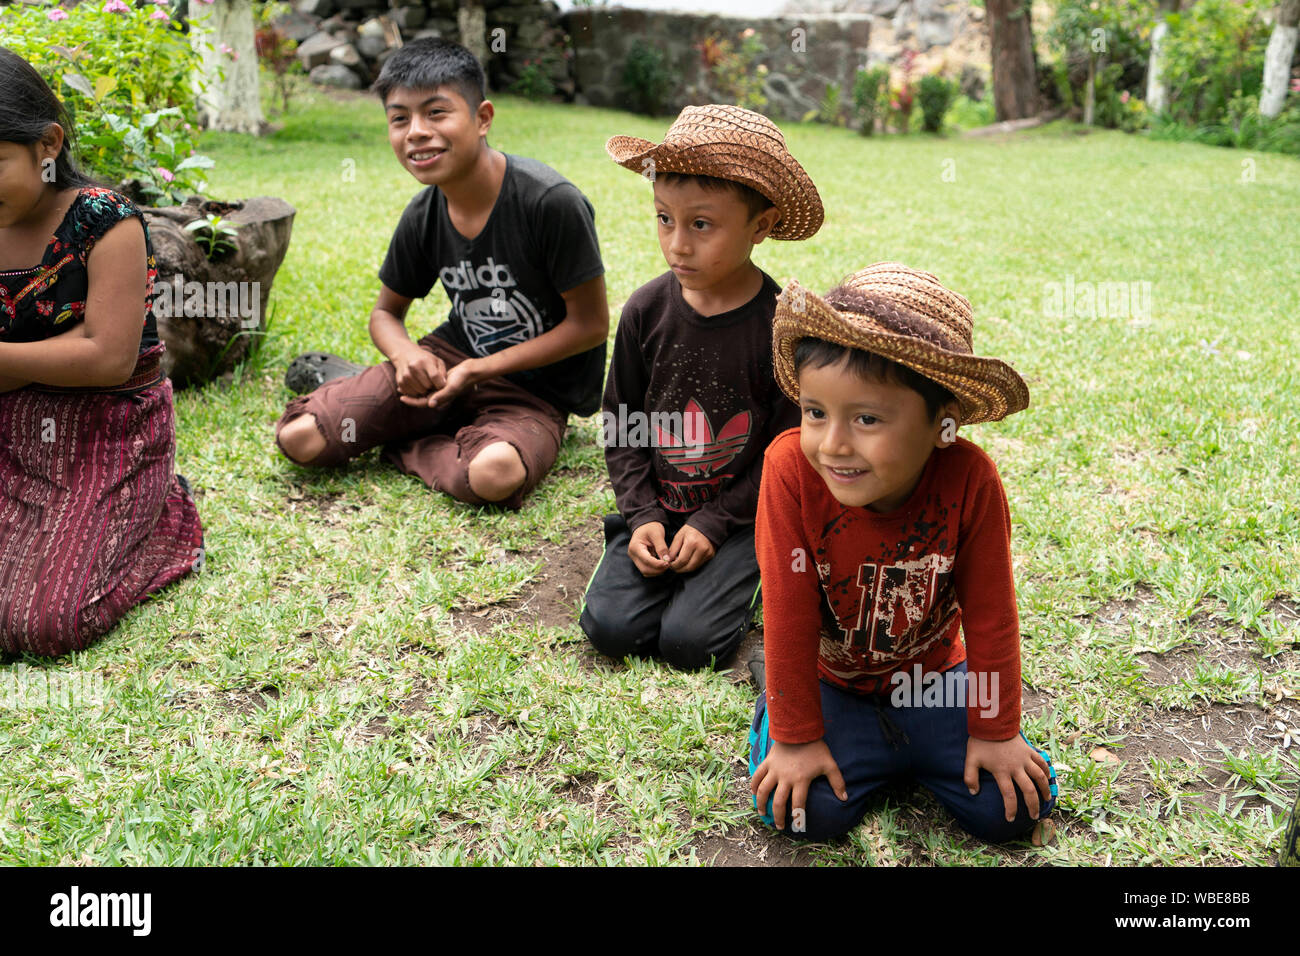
<point x="92" y="517"/>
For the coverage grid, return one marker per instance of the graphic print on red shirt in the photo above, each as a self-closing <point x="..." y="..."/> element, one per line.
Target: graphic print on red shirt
<point x="903" y="592"/>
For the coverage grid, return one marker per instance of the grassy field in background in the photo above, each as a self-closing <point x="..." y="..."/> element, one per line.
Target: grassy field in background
<point x="368" y="672"/>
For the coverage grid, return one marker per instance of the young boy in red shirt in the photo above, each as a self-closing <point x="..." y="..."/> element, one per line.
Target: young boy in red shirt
<point x="884" y="541"/>
<point x="691" y="401"/>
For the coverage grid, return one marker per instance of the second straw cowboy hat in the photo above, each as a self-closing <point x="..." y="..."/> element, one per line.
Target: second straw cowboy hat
<point x="906" y="316"/>
<point x="729" y="142"/>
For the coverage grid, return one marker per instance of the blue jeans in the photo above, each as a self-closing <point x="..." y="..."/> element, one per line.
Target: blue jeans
<point x="874" y="742"/>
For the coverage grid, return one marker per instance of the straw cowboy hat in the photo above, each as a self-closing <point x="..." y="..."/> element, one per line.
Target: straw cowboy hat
<point x="728" y="142"/>
<point x="906" y="316"/>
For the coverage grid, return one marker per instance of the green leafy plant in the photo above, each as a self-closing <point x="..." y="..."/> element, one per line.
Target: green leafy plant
<point x="214" y="234"/>
<point x="534" y="80"/>
<point x="276" y="52"/>
<point x="1213" y="65"/>
<point x="830" y="110"/>
<point x="735" y="70"/>
<point x="1214" y="51"/>
<point x="1133" y="114"/>
<point x="130" y="81"/>
<point x="868" y="90"/>
<point x="647" y="79"/>
<point x="1092" y="39"/>
<point x="936" y="95"/>
<point x="966" y="113"/>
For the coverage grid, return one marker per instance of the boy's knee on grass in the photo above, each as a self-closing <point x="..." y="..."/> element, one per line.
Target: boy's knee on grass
<point x="301" y="440"/>
<point x="609" y="632"/>
<point x="687" y="646"/>
<point x="824" y="817"/>
<point x="497" y="472"/>
<point x="983" y="816"/>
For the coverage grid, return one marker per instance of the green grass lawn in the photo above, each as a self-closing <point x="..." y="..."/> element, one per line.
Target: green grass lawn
<point x="368" y="672"/>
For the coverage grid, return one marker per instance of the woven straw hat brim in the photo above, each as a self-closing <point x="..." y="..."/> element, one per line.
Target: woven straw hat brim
<point x="988" y="389"/>
<point x="778" y="176"/>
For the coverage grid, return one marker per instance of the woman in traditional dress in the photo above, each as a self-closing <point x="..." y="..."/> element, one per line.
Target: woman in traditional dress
<point x="93" y="517"/>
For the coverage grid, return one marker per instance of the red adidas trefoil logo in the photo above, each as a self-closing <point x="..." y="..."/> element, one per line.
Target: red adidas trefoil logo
<point x="697" y="451"/>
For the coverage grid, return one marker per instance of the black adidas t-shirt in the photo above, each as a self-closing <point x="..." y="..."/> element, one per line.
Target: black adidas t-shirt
<point x="506" y="283"/>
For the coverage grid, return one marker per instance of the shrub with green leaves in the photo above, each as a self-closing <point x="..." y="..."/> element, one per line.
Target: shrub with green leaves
<point x="130" y="81"/>
<point x="534" y="81"/>
<point x="1214" y="52"/>
<point x="647" y="79"/>
<point x="1242" y="126"/>
<point x="868" y="91"/>
<point x="1110" y="40"/>
<point x="829" y="110"/>
<point x="936" y="95"/>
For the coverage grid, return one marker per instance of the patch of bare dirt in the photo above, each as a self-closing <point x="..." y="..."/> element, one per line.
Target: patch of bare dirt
<point x="1285" y="608"/>
<point x="750" y="847"/>
<point x="1033" y="703"/>
<point x="1194" y="744"/>
<point x="1171" y="667"/>
<point x="480" y="729"/>
<point x="1119" y="610"/>
<point x="332" y="509"/>
<point x="1198" y="735"/>
<point x="553" y="597"/>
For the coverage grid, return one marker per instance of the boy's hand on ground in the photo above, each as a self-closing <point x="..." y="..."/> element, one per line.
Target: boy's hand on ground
<point x="419" y="372"/>
<point x="690" y="549"/>
<point x="1013" y="763"/>
<point x="647" y="548"/>
<point x="788" y="770"/>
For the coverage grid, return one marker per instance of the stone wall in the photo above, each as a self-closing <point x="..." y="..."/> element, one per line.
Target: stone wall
<point x="584" y="51"/>
<point x="804" y="51"/>
<point x="345" y="42"/>
<point x="802" y="54"/>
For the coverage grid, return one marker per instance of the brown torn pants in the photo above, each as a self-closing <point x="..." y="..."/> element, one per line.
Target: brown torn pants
<point x="436" y="445"/>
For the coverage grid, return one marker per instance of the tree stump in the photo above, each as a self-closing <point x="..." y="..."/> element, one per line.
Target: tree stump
<point x="209" y="311"/>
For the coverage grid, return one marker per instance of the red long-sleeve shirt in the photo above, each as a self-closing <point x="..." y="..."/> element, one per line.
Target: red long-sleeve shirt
<point x="852" y="596"/>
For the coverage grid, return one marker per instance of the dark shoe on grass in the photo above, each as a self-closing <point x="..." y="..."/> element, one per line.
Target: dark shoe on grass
<point x="757" y="664"/>
<point x="311" y="370"/>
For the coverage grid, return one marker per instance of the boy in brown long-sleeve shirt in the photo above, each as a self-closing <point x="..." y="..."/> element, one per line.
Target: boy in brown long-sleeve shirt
<point x="691" y="401"/>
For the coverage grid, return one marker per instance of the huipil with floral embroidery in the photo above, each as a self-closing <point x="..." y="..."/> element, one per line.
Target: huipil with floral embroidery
<point x="49" y="298"/>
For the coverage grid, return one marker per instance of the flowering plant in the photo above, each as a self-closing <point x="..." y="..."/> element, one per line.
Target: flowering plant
<point x="127" y="78"/>
<point x="736" y="72"/>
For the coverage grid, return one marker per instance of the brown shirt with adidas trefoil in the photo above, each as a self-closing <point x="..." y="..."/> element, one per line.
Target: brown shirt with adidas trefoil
<point x="690" y="405"/>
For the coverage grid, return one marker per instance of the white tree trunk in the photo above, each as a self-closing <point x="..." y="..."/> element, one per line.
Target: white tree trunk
<point x="1277" y="58"/>
<point x="1090" y="91"/>
<point x="1157" y="91"/>
<point x="235" y="103"/>
<point x="471" y="17"/>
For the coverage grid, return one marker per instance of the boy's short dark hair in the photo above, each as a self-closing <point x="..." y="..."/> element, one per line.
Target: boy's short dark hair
<point x="755" y="202"/>
<point x="428" y="63"/>
<point x="873" y="368"/>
